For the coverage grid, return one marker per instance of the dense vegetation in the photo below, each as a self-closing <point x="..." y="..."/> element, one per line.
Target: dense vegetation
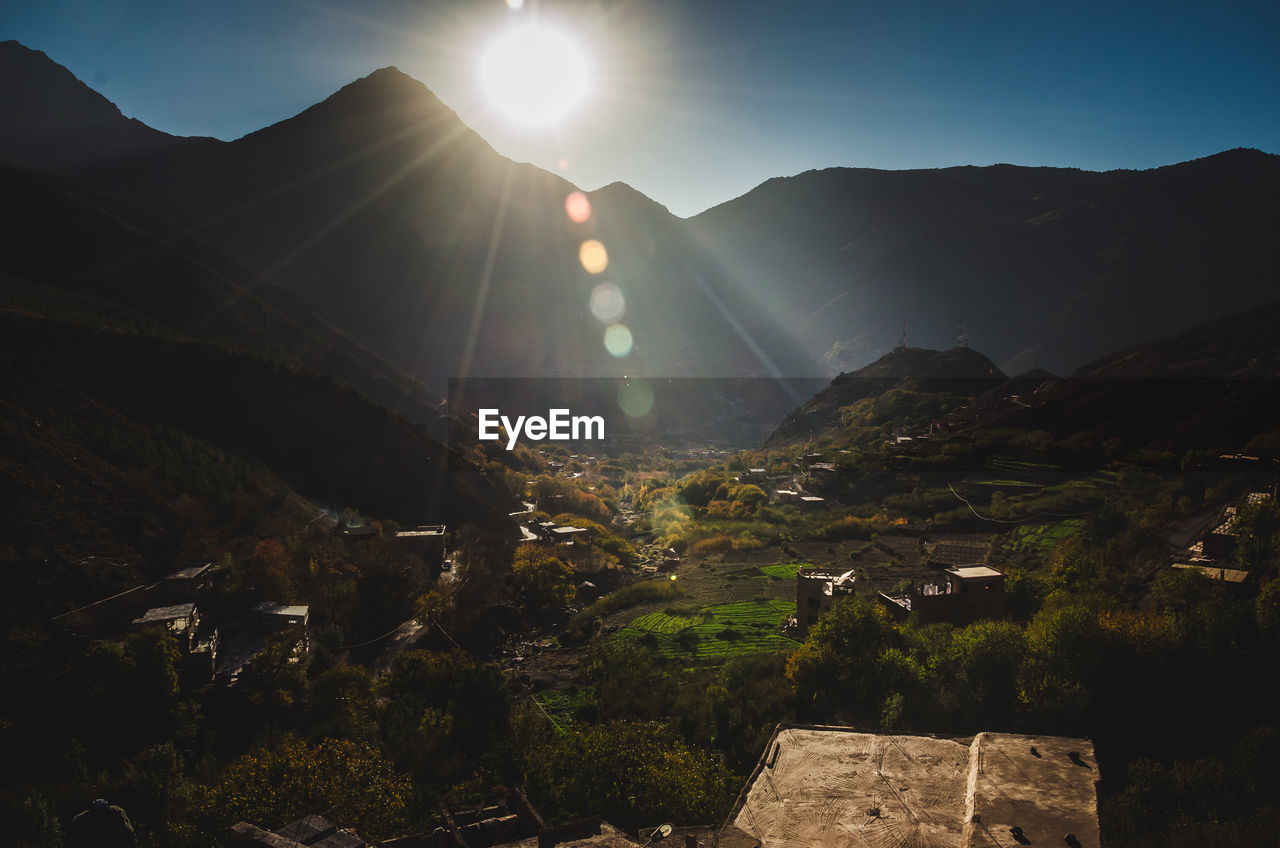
<point x="109" y="483"/>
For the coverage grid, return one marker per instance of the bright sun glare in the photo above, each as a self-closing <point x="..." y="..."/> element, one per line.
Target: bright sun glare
<point x="534" y="75"/>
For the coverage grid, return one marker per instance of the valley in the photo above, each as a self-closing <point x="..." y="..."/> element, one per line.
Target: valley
<point x="894" y="467"/>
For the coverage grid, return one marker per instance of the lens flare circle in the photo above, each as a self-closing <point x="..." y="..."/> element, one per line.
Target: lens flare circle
<point x="635" y="398"/>
<point x="533" y="74"/>
<point x="617" y="340"/>
<point x="607" y="303"/>
<point x="577" y="207"/>
<point x="593" y="256"/>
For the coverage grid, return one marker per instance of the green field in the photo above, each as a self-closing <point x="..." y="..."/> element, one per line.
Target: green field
<point x="784" y="571"/>
<point x="714" y="633"/>
<point x="1043" y="538"/>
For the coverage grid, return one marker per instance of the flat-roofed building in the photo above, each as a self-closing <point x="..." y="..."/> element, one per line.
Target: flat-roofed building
<point x="816" y="591"/>
<point x="188" y="584"/>
<point x="964" y="595"/>
<point x="838" y="787"/>
<point x="182" y="620"/>
<point x="427" y="542"/>
<point x="981" y="592"/>
<point x="277" y="616"/>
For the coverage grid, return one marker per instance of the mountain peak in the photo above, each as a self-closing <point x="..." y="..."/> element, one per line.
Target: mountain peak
<point x="622" y="194"/>
<point x="388" y="84"/>
<point x="385" y="104"/>
<point x="52" y="121"/>
<point x="925" y="363"/>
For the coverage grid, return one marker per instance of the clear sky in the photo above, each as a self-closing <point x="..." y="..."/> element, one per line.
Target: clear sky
<point x="697" y="102"/>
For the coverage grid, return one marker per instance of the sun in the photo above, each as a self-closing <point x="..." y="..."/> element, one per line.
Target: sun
<point x="534" y="75"/>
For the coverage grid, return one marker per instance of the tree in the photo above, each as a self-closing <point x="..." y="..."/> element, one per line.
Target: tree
<point x="836" y="667"/>
<point x="132" y="692"/>
<point x="442" y="711"/>
<point x="628" y="682"/>
<point x="271" y="569"/>
<point x="543" y="583"/>
<point x="630" y="773"/>
<point x="1257" y="531"/>
<point x="351" y="782"/>
<point x="985" y="658"/>
<point x="1066" y="652"/>
<point x="1267" y="614"/>
<point x="274" y="683"/>
<point x="484" y="563"/>
<point x="341" y="704"/>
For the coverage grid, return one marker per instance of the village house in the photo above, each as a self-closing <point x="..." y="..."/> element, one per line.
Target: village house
<point x="197" y="642"/>
<point x="190" y="584"/>
<point x="427" y="543"/>
<point x="964" y="595"/>
<point x="816" y="591"/>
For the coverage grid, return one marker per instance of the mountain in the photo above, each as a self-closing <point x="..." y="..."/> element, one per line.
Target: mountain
<point x="63" y="237"/>
<point x="1051" y="265"/>
<point x="381" y="209"/>
<point x="125" y="342"/>
<point x="397" y="223"/>
<point x="1210" y="388"/>
<point x="960" y="371"/>
<point x="1241" y="346"/>
<point x="53" y="122"/>
<point x="329" y="442"/>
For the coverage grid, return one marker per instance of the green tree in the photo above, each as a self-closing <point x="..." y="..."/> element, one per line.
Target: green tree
<point x="443" y="710"/>
<point x="1267" y="614"/>
<point x="341" y="704"/>
<point x="1067" y="650"/>
<point x="351" y="782"/>
<point x="274" y="683"/>
<point x="836" y="667"/>
<point x="1258" y="537"/>
<point x="543" y="583"/>
<point x="985" y="658"/>
<point x="628" y="682"/>
<point x="631" y="774"/>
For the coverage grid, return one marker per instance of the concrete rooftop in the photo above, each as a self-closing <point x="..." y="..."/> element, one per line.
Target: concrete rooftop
<point x="837" y="787"/>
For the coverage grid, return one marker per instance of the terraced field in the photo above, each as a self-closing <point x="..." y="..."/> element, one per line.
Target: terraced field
<point x="1043" y="538"/>
<point x="715" y="633"/>
<point x="783" y="571"/>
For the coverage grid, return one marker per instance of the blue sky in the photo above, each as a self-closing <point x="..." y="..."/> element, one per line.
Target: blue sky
<point x="696" y="102"/>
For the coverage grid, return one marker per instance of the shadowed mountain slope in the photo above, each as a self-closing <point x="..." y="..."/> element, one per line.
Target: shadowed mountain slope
<point x="1048" y="265"/>
<point x="395" y="221"/>
<point x="959" y="371"/>
<point x="399" y="224"/>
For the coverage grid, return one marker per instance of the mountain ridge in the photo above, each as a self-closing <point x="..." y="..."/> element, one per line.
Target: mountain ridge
<point x="961" y="371"/>
<point x="400" y="224"/>
<point x="394" y="220"/>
